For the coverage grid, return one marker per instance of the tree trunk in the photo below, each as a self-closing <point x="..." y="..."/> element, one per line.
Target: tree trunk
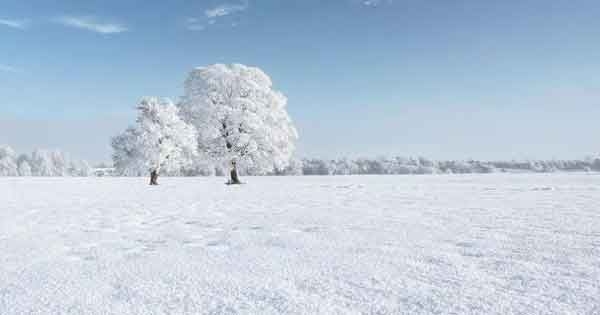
<point x="234" y="176"/>
<point x="153" y="178"/>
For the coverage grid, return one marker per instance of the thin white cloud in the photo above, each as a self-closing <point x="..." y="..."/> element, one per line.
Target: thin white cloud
<point x="375" y="3"/>
<point x="6" y="68"/>
<point x="91" y="24"/>
<point x="212" y="15"/>
<point x="225" y="9"/>
<point x="18" y="24"/>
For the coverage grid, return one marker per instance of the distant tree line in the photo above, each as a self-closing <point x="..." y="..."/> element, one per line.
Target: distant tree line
<point x="393" y="166"/>
<point x="401" y="165"/>
<point x="56" y="163"/>
<point x="41" y="163"/>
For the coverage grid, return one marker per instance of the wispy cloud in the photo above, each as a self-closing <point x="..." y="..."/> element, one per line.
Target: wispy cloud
<point x="12" y="23"/>
<point x="225" y="9"/>
<point x="375" y="3"/>
<point x="6" y="68"/>
<point x="91" y="24"/>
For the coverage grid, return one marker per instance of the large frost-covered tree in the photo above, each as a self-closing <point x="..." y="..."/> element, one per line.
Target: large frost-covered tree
<point x="160" y="141"/>
<point x="241" y="120"/>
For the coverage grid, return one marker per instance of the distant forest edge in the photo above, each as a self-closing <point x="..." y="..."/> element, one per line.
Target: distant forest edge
<point x="57" y="163"/>
<point x="41" y="163"/>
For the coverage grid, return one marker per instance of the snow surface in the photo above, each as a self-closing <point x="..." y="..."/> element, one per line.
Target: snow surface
<point x="444" y="244"/>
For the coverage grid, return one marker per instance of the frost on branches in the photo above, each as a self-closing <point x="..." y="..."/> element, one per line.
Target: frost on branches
<point x="160" y="142"/>
<point x="240" y="118"/>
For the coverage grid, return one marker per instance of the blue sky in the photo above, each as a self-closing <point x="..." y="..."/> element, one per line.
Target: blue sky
<point x="443" y="79"/>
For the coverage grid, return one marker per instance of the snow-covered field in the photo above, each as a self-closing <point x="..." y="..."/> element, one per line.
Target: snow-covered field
<point x="473" y="244"/>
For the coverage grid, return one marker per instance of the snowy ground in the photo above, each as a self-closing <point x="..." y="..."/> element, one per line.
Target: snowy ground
<point x="477" y="244"/>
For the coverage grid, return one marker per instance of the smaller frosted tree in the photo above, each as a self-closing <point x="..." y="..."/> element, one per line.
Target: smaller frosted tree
<point x="159" y="142"/>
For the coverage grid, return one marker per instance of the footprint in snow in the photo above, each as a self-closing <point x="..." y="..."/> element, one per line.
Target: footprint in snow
<point x="469" y="249"/>
<point x="158" y="221"/>
<point x="150" y="245"/>
<point x="200" y="224"/>
<point x="311" y="229"/>
<point x="86" y="253"/>
<point x="465" y="244"/>
<point x="193" y="242"/>
<point x="542" y="188"/>
<point x="218" y="245"/>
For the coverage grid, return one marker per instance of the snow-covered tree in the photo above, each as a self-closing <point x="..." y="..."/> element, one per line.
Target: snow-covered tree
<point x="316" y="167"/>
<point x="24" y="168"/>
<point x="160" y="141"/>
<point x="79" y="168"/>
<point x="199" y="168"/>
<point x="127" y="156"/>
<point x="241" y="120"/>
<point x="294" y="168"/>
<point x="8" y="163"/>
<point x="60" y="163"/>
<point x="41" y="163"/>
<point x="6" y="151"/>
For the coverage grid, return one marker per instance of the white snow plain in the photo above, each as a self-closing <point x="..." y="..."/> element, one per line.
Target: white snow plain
<point x="442" y="244"/>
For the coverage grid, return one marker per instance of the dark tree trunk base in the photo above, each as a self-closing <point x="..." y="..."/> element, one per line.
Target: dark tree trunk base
<point x="153" y="178"/>
<point x="228" y="183"/>
<point x="234" y="179"/>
